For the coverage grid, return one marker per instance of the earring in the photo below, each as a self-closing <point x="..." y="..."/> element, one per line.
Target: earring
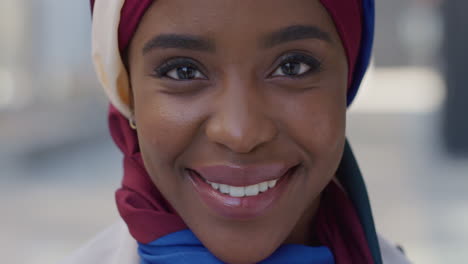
<point x="132" y="123"/>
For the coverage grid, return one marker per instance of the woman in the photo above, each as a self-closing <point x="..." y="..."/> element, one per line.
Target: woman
<point x="231" y="118"/>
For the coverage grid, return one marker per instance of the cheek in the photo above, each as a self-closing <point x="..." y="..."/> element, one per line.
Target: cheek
<point x="320" y="136"/>
<point x="316" y="123"/>
<point x="322" y="132"/>
<point x="166" y="128"/>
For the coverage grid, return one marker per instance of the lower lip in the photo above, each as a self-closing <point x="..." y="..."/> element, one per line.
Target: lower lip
<point x="246" y="207"/>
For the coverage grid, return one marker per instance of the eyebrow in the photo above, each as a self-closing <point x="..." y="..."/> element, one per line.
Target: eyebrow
<point x="295" y="32"/>
<point x="177" y="41"/>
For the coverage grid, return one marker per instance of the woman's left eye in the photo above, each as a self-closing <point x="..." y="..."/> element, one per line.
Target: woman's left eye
<point x="296" y="65"/>
<point x="291" y="69"/>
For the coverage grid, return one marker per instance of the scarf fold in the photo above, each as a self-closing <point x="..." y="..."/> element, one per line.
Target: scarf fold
<point x="141" y="205"/>
<point x="184" y="247"/>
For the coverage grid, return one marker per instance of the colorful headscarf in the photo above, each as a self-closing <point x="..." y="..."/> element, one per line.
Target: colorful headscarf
<point x="151" y="219"/>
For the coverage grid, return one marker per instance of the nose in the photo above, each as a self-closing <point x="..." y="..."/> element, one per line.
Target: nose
<point x="240" y="122"/>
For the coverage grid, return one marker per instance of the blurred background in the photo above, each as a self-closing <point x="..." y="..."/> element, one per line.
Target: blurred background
<point x="59" y="167"/>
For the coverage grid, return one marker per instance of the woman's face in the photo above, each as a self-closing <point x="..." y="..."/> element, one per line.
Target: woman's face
<point x="249" y="96"/>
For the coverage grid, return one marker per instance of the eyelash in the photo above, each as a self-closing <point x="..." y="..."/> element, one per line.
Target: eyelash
<point x="314" y="65"/>
<point x="175" y="63"/>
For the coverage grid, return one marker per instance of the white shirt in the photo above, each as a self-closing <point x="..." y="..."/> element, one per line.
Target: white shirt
<point x="115" y="245"/>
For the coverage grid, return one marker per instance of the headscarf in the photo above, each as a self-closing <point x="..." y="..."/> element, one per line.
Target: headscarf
<point x="344" y="222"/>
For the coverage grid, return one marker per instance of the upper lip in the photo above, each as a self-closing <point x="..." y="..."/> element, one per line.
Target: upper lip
<point x="242" y="175"/>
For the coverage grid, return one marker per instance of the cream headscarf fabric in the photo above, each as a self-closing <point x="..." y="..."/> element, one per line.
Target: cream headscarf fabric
<point x="107" y="60"/>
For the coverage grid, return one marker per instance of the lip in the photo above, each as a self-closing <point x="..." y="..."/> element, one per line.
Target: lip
<point x="242" y="176"/>
<point x="240" y="208"/>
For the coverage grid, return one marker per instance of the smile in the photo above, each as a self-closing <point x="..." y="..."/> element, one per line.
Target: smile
<point x="241" y="192"/>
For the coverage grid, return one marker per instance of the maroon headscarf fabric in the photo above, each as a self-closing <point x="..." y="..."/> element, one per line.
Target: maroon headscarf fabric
<point x="149" y="216"/>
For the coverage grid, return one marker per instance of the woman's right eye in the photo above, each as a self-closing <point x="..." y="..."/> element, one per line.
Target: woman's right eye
<point x="179" y="69"/>
<point x="185" y="73"/>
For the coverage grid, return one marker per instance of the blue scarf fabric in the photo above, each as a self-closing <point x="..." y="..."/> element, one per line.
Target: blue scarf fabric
<point x="184" y="247"/>
<point x="365" y="51"/>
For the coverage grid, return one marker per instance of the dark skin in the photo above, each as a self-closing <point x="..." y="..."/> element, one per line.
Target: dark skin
<point x="264" y="81"/>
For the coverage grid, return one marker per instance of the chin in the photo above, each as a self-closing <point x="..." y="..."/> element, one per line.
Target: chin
<point x="242" y="253"/>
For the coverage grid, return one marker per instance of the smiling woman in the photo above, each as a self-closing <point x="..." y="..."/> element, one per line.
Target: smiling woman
<point x="231" y="117"/>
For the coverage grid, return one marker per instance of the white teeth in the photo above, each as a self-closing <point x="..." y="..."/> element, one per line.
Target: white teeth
<point x="236" y="191"/>
<point x="251" y="190"/>
<point x="224" y="188"/>
<point x="263" y="186"/>
<point x="240" y="191"/>
<point x="272" y="183"/>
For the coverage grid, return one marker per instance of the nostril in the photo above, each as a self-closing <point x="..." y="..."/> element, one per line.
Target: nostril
<point x="241" y="137"/>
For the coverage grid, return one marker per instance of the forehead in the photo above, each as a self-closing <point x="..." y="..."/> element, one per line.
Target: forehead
<point x="218" y="19"/>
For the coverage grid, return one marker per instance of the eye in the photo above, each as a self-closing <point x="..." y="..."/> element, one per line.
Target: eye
<point x="185" y="73"/>
<point x="291" y="69"/>
<point x="296" y="65"/>
<point x="179" y="69"/>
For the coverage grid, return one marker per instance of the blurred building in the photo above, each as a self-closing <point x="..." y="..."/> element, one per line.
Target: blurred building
<point x="48" y="90"/>
<point x="455" y="58"/>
